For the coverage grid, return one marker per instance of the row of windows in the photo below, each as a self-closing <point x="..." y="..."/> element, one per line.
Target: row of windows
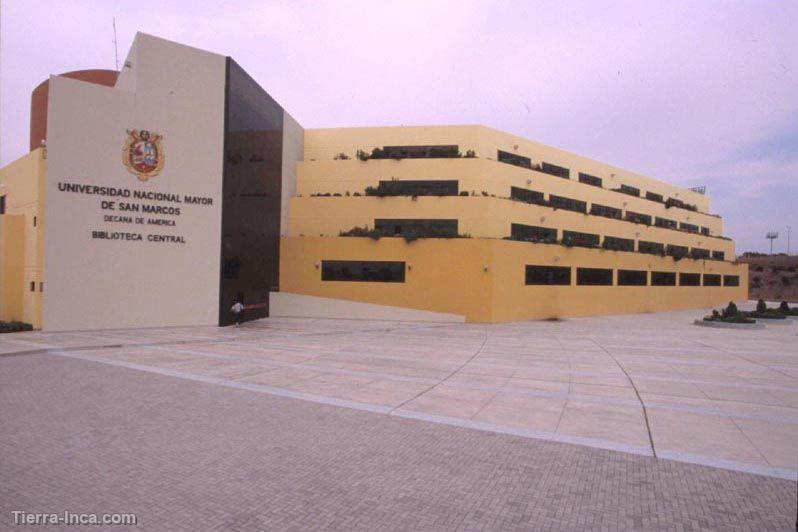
<point x="535" y="233"/>
<point x="439" y="227"/>
<point x="565" y="173"/>
<point x="416" y="152"/>
<point x="560" y="202"/>
<point x="33" y="286"/>
<point x="360" y="270"/>
<point x="408" y="187"/>
<point x="561" y="275"/>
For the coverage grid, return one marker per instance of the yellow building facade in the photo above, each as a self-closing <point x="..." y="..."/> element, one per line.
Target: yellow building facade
<point x="471" y="221"/>
<point x="21" y="242"/>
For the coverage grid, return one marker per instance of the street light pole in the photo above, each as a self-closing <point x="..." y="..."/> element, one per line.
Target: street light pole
<point x="788" y="239"/>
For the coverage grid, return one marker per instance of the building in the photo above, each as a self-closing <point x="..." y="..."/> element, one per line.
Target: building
<point x="167" y="193"/>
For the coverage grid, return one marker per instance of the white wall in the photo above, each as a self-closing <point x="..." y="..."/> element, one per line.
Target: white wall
<point x="170" y="89"/>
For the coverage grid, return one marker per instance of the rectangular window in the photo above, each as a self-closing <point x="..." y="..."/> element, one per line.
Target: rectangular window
<point x="35" y="220"/>
<point x="590" y="179"/>
<point x="594" y="276"/>
<point x="560" y="202"/>
<point x="632" y="278"/>
<point x="705" y="231"/>
<point x="395" y="187"/>
<point x="618" y="244"/>
<point x="677" y="251"/>
<point x="663" y="279"/>
<point x="698" y="253"/>
<point x="527" y="196"/>
<point x="626" y="189"/>
<point x="533" y="233"/>
<point x="359" y="270"/>
<point x="515" y="160"/>
<point x="689" y="279"/>
<point x="553" y="169"/>
<point x="416" y="152"/>
<point x="3" y="204"/>
<point x="653" y="248"/>
<point x="41" y="287"/>
<point x="664" y="222"/>
<point x="423" y="228"/>
<point x="711" y="279"/>
<point x="603" y="210"/>
<point x="638" y="218"/>
<point x="548" y="275"/>
<point x="585" y="240"/>
<point x="33" y="286"/>
<point x="690" y="228"/>
<point x="731" y="280"/>
<point x="718" y="255"/>
<point x="655" y="197"/>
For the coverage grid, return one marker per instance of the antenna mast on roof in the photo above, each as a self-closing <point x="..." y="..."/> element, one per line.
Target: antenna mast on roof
<point x="116" y="52"/>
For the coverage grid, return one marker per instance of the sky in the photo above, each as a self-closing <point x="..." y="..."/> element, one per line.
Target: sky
<point x="692" y="93"/>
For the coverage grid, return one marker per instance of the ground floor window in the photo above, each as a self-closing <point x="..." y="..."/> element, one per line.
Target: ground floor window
<point x="548" y="275"/>
<point x="594" y="276"/>
<point x="689" y="279"/>
<point x="359" y="270"/>
<point x="663" y="279"/>
<point x="731" y="280"/>
<point x="711" y="279"/>
<point x="632" y="278"/>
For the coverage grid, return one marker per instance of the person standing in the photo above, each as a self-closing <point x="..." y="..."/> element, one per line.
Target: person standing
<point x="238" y="310"/>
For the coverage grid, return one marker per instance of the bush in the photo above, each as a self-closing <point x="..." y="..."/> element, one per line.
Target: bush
<point x="470" y="154"/>
<point x="729" y="315"/>
<point x="784" y="307"/>
<point x="341" y="157"/>
<point x="14" y="326"/>
<point x="362" y="231"/>
<point x="761" y="306"/>
<point x="730" y="310"/>
<point x="464" y="193"/>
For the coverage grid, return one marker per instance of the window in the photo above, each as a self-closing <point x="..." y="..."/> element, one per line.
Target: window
<point x="41" y="287"/>
<point x="515" y="160"/>
<point x="34" y="221"/>
<point x="664" y="222"/>
<point x="559" y="202"/>
<point x="548" y="275"/>
<point x="416" y="152"/>
<point x="3" y="204"/>
<point x="603" y="210"/>
<point x="663" y="279"/>
<point x="553" y="169"/>
<point x="632" y="278"/>
<point x="705" y="231"/>
<point x="689" y="279"/>
<point x="356" y="270"/>
<point x="395" y="187"/>
<point x="590" y="179"/>
<point x="532" y="233"/>
<point x="731" y="280"/>
<point x="711" y="279"/>
<point x="575" y="238"/>
<point x="677" y="251"/>
<point x="626" y="189"/>
<point x="443" y="228"/>
<point x="619" y="244"/>
<point x="653" y="248"/>
<point x="594" y="276"/>
<point x="655" y="197"/>
<point x="33" y="286"/>
<point x="690" y="228"/>
<point x="638" y="218"/>
<point x="527" y="196"/>
<point x="698" y="253"/>
<point x="718" y="255"/>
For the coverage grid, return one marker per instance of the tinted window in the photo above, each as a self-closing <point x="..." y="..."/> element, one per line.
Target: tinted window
<point x="526" y="195"/>
<point x="593" y="276"/>
<point x="619" y="244"/>
<point x="663" y="279"/>
<point x="590" y="179"/>
<point x="654" y="248"/>
<point x="677" y="251"/>
<point x="416" y="152"/>
<point x="356" y="270"/>
<point x="718" y="255"/>
<point x="699" y="253"/>
<point x="632" y="278"/>
<point x="516" y="160"/>
<point x="416" y="226"/>
<point x="638" y="218"/>
<point x="575" y="238"/>
<point x="664" y="222"/>
<point x="655" y="197"/>
<point x="626" y="189"/>
<point x="731" y="280"/>
<point x="553" y="169"/>
<point x="548" y="275"/>
<point x="689" y="279"/>
<point x="690" y="228"/>
<point x="711" y="279"/>
<point x="533" y="233"/>
<point x="395" y="187"/>
<point x="603" y="210"/>
<point x="560" y="202"/>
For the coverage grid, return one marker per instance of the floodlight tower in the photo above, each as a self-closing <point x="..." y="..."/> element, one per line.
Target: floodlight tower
<point x="772" y="235"/>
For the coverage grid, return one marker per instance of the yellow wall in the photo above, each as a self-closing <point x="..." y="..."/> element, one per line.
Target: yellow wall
<point x="22" y="182"/>
<point x="448" y="275"/>
<point x="12" y="266"/>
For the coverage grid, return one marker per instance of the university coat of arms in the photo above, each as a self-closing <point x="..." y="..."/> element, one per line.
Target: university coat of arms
<point x="143" y="154"/>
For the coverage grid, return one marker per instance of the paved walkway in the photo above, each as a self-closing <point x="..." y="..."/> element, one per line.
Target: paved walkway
<point x="188" y="455"/>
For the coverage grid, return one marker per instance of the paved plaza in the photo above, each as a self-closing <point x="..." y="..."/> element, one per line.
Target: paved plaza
<point x="625" y="422"/>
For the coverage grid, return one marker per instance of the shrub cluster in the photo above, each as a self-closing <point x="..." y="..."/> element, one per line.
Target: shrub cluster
<point x="14" y="326"/>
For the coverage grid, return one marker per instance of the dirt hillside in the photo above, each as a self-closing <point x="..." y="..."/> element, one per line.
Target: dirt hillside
<point x="772" y="277"/>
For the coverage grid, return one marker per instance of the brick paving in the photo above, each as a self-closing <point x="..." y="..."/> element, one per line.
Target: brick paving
<point x="187" y="455"/>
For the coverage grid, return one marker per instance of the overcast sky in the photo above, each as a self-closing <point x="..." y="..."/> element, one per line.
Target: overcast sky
<point x="694" y="93"/>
